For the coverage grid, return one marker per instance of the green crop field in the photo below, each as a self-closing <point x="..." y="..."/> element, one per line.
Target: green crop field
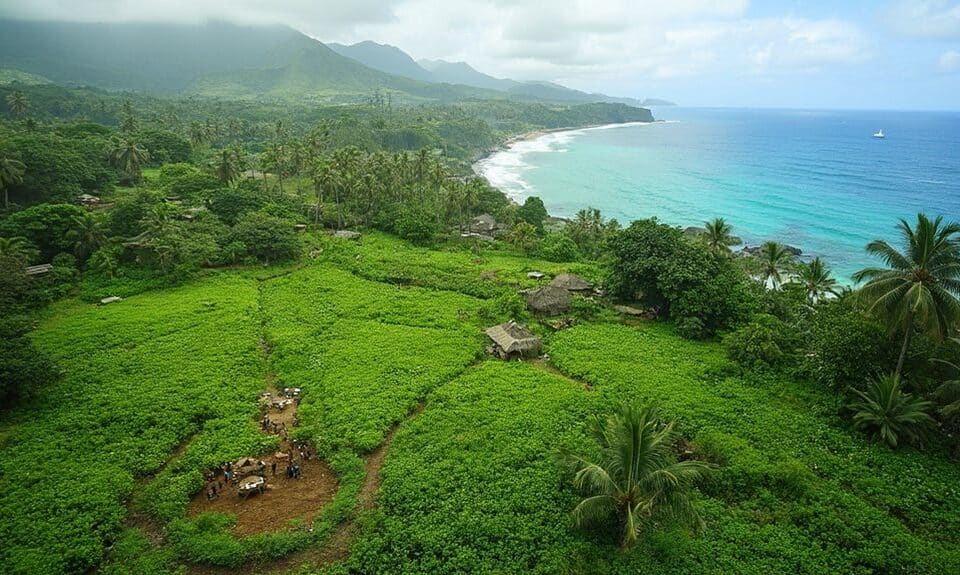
<point x="163" y="384"/>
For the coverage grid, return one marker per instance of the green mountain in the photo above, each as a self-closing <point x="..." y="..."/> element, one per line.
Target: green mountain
<point x="463" y="73"/>
<point x="146" y="57"/>
<point x="228" y="60"/>
<point x="385" y="58"/>
<point x="216" y="59"/>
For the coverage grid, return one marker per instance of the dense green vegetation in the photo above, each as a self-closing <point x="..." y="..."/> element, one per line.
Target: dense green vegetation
<point x="827" y="416"/>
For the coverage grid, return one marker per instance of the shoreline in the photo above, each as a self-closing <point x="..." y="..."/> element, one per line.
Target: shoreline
<point x="533" y="135"/>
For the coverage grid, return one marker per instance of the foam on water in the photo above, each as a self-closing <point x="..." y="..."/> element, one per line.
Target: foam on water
<point x="816" y="180"/>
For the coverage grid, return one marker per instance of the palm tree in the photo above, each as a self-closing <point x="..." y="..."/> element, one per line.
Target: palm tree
<point x="86" y="235"/>
<point x="225" y="167"/>
<point x="523" y="235"/>
<point x="775" y="261"/>
<point x="892" y="416"/>
<point x="11" y="174"/>
<point x="129" y="157"/>
<point x="815" y="279"/>
<point x="637" y="478"/>
<point x="947" y="394"/>
<point x="718" y="236"/>
<point x="919" y="285"/>
<point x="18" y="103"/>
<point x="18" y="248"/>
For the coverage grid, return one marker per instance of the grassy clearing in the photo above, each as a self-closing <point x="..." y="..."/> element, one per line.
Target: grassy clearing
<point x="790" y="474"/>
<point x="470" y="486"/>
<point x="141" y="376"/>
<point x="365" y="352"/>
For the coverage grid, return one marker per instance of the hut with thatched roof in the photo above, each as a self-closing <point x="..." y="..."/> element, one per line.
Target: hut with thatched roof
<point x="571" y="283"/>
<point x="548" y="300"/>
<point x="512" y="340"/>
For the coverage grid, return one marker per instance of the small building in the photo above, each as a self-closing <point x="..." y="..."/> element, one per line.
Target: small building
<point x="483" y="224"/>
<point x="347" y="235"/>
<point x="512" y="340"/>
<point x="536" y="275"/>
<point x="571" y="283"/>
<point x="629" y="310"/>
<point x="38" y="269"/>
<point x="110" y="300"/>
<point x="548" y="300"/>
<point x="87" y="200"/>
<point x="300" y="227"/>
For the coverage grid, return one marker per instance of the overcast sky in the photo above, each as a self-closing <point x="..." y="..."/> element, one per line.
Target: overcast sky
<point x="811" y="54"/>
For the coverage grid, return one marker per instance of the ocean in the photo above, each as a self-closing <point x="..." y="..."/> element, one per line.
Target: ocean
<point x="817" y="180"/>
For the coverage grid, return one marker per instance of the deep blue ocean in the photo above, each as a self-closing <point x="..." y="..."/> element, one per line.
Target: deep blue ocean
<point x="816" y="180"/>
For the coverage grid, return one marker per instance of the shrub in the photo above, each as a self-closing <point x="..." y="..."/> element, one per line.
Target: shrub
<point x="889" y="414"/>
<point x="559" y="248"/>
<point x="267" y="238"/>
<point x="764" y="342"/>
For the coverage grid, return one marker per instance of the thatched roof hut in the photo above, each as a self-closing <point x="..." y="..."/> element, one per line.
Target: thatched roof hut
<point x="571" y="282"/>
<point x="548" y="300"/>
<point x="513" y="340"/>
<point x="483" y="224"/>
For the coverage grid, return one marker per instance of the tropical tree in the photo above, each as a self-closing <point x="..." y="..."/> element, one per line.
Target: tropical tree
<point x="889" y="414"/>
<point x="225" y="167"/>
<point x="718" y="236"/>
<point x="87" y="235"/>
<point x="920" y="285"/>
<point x="127" y="156"/>
<point x="523" y="235"/>
<point x="18" y="248"/>
<point x="636" y="479"/>
<point x="947" y="395"/>
<point x="815" y="279"/>
<point x="11" y="174"/>
<point x="775" y="262"/>
<point x="18" y="103"/>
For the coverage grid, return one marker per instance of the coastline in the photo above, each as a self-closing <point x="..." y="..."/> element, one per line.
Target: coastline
<point x="507" y="145"/>
<point x="510" y="142"/>
<point x="533" y="135"/>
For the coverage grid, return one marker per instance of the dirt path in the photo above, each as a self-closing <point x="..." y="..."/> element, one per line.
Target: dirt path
<point x="285" y="498"/>
<point x="547" y="366"/>
<point x="337" y="547"/>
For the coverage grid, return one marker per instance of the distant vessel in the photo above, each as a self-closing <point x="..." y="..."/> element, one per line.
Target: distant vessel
<point x="879" y="134"/>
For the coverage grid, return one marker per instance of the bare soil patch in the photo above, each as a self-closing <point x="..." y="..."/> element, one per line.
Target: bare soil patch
<point x="284" y="499"/>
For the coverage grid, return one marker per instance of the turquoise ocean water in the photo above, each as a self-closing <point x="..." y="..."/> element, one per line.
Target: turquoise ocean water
<point x="817" y="180"/>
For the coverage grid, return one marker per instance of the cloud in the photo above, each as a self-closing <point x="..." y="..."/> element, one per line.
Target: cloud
<point x="590" y="44"/>
<point x="328" y="16"/>
<point x="933" y="19"/>
<point x="949" y="62"/>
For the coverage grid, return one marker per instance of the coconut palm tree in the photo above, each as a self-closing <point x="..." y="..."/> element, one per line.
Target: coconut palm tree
<point x="523" y="235"/>
<point x="920" y="285"/>
<point x="891" y="415"/>
<point x="128" y="157"/>
<point x="86" y="234"/>
<point x="636" y="478"/>
<point x="775" y="262"/>
<point x="18" y="103"/>
<point x="11" y="174"/>
<point x="19" y="248"/>
<point x="947" y="395"/>
<point x="225" y="167"/>
<point x="718" y="236"/>
<point x="815" y="279"/>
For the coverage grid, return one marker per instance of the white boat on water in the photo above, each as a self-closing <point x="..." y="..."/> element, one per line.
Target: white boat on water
<point x="879" y="134"/>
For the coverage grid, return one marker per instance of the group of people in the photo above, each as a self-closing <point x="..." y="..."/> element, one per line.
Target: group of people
<point x="226" y="474"/>
<point x="293" y="470"/>
<point x="270" y="426"/>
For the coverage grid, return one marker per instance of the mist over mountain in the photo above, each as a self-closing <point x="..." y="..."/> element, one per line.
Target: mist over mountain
<point x="246" y="61"/>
